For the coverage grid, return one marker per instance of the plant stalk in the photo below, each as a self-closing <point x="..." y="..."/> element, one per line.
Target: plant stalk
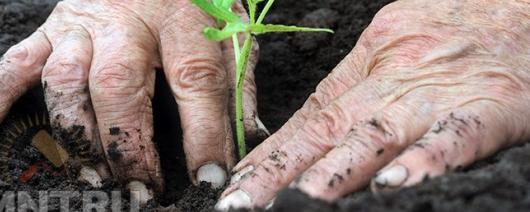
<point x="221" y="9"/>
<point x="264" y="11"/>
<point x="240" y="82"/>
<point x="237" y="51"/>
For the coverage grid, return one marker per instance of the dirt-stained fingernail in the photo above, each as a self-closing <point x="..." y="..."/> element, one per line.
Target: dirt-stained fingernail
<point x="237" y="200"/>
<point x="91" y="176"/>
<point x="213" y="174"/>
<point x="140" y="192"/>
<point x="391" y="177"/>
<point x="241" y="174"/>
<point x="270" y="205"/>
<point x="261" y="127"/>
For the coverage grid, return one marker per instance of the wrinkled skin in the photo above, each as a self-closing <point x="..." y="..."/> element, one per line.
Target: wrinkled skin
<point x="430" y="87"/>
<point x="97" y="59"/>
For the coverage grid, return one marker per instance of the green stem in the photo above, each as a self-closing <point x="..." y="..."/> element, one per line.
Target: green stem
<point x="237" y="52"/>
<point x="240" y="81"/>
<point x="251" y="11"/>
<point x="264" y="11"/>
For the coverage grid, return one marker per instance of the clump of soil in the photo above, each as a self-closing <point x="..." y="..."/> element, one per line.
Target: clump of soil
<point x="290" y="67"/>
<point x="199" y="198"/>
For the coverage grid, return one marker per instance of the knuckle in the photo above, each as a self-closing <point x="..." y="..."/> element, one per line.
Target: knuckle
<point x="460" y="124"/>
<point x="331" y="87"/>
<point x="326" y="129"/>
<point x="21" y="55"/>
<point x="68" y="69"/>
<point x="316" y="101"/>
<point x="381" y="132"/>
<point x="273" y="171"/>
<point x="334" y="118"/>
<point x="212" y="140"/>
<point x="125" y="155"/>
<point x="355" y="145"/>
<point x="404" y="51"/>
<point x="199" y="76"/>
<point x="115" y="76"/>
<point x="272" y="175"/>
<point x="320" y="131"/>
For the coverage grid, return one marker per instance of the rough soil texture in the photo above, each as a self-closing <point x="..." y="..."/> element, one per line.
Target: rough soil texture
<point x="290" y="67"/>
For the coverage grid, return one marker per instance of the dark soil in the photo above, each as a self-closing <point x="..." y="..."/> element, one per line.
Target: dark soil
<point x="289" y="69"/>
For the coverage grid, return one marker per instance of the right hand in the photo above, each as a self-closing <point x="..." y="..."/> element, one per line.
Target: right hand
<point x="430" y="87"/>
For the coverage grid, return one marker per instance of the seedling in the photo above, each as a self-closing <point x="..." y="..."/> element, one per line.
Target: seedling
<point x="233" y="26"/>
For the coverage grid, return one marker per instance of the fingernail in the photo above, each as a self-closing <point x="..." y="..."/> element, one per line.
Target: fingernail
<point x="91" y="176"/>
<point x="140" y="192"/>
<point x="241" y="174"/>
<point x="261" y="126"/>
<point x="392" y="177"/>
<point x="271" y="203"/>
<point x="237" y="199"/>
<point x="213" y="174"/>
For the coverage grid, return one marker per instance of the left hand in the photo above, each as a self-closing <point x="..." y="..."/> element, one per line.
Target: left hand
<point x="424" y="92"/>
<point x="97" y="60"/>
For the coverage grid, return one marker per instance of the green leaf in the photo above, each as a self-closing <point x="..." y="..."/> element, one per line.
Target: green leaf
<point x="224" y="4"/>
<point x="228" y="4"/>
<point x="217" y="3"/>
<point x="266" y="28"/>
<point x="229" y="30"/>
<point x="216" y="11"/>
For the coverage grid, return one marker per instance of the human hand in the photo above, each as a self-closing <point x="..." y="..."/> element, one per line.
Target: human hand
<point x="97" y="61"/>
<point x="429" y="88"/>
